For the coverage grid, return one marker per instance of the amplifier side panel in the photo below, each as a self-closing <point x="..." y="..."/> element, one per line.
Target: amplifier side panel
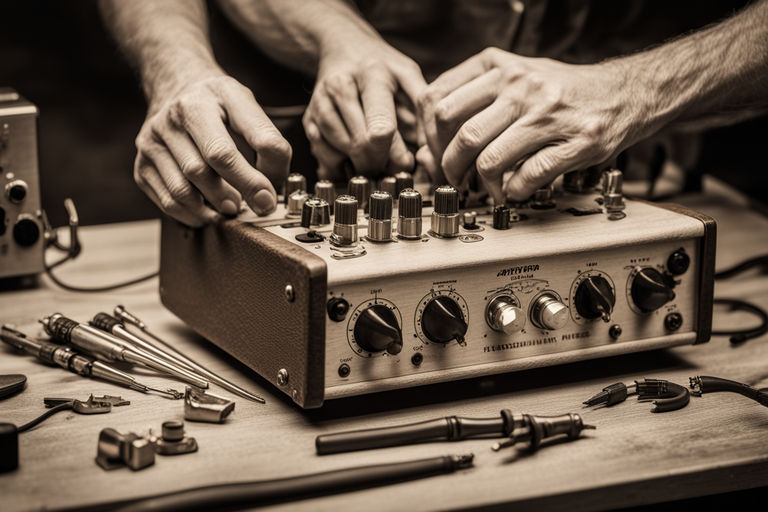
<point x="228" y="282"/>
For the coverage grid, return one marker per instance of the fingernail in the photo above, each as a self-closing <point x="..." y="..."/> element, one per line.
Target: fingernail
<point x="228" y="207"/>
<point x="264" y="202"/>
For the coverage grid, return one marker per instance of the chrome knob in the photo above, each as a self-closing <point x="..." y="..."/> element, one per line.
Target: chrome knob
<point x="345" y="221"/>
<point x="548" y="312"/>
<point x="403" y="180"/>
<point x="445" y="217"/>
<point x="360" y="188"/>
<point x="503" y="315"/>
<point x="380" y="219"/>
<point x="324" y="189"/>
<point x="409" y="214"/>
<point x="294" y="182"/>
<point x="296" y="202"/>
<point x="315" y="212"/>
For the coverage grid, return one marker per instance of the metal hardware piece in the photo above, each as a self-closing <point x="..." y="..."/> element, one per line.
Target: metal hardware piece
<point x="115" y="450"/>
<point x="207" y="407"/>
<point x="172" y="440"/>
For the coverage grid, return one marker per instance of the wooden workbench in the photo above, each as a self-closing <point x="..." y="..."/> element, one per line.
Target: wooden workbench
<point x="718" y="443"/>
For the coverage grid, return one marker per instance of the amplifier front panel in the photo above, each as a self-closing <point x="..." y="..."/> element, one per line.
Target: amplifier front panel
<point x="423" y="360"/>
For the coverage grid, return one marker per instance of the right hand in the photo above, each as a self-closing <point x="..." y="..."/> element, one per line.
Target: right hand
<point x="187" y="162"/>
<point x="361" y="107"/>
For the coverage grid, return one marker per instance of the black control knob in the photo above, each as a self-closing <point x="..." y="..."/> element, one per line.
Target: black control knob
<point x="16" y="191"/>
<point x="595" y="298"/>
<point x="26" y="232"/>
<point x="651" y="289"/>
<point x="443" y="321"/>
<point x="377" y="329"/>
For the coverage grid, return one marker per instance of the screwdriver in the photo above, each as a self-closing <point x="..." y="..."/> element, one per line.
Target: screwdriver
<point x="76" y="363"/>
<point x="128" y="318"/>
<point x="102" y="344"/>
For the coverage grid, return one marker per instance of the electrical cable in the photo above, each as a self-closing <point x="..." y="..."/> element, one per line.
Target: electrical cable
<point x="707" y="384"/>
<point x="96" y="289"/>
<point x="758" y="261"/>
<point x="236" y="496"/>
<point x="738" y="336"/>
<point x="47" y="414"/>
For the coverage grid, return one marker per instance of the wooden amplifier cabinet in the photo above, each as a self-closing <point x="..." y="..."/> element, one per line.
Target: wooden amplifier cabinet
<point x="289" y="310"/>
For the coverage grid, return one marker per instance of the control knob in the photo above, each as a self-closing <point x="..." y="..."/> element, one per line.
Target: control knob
<point x="443" y="321"/>
<point x="548" y="312"/>
<point x="651" y="289"/>
<point x="294" y="182"/>
<point x="503" y="315"/>
<point x="377" y="330"/>
<point x="595" y="298"/>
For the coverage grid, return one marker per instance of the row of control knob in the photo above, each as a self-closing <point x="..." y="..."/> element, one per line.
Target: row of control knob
<point x="442" y="320"/>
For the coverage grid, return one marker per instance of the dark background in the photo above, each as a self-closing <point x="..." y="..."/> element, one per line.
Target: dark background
<point x="59" y="56"/>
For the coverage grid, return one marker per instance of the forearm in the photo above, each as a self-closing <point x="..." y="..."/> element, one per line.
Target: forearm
<point x="167" y="42"/>
<point x="298" y="33"/>
<point x="717" y="74"/>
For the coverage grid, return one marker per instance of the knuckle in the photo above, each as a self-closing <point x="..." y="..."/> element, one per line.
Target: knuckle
<point x="431" y="96"/>
<point x="381" y="130"/>
<point x="488" y="163"/>
<point x="169" y="205"/>
<point x="443" y="112"/>
<point x="220" y="152"/>
<point x="468" y="136"/>
<point x="338" y="83"/>
<point x="180" y="191"/>
<point x="193" y="168"/>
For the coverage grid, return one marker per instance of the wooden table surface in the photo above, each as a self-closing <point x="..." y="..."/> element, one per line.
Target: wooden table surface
<point x="718" y="443"/>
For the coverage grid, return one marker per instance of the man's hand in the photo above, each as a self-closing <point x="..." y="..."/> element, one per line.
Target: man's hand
<point x="362" y="90"/>
<point x="187" y="162"/>
<point x="499" y="112"/>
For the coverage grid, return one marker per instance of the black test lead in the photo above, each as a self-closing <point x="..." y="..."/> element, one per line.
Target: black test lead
<point x="76" y="363"/>
<point x="669" y="396"/>
<point x="536" y="429"/>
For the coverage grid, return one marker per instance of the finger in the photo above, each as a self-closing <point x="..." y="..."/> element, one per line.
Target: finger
<point x="443" y="86"/>
<point x="411" y="80"/>
<point x="425" y="160"/>
<point x="473" y="137"/>
<point x="541" y="168"/>
<point x="377" y="91"/>
<point x="327" y="120"/>
<point x="400" y="158"/>
<point x="328" y="157"/>
<point x="203" y="122"/>
<point x="464" y="102"/>
<point x="344" y="92"/>
<point x="407" y="124"/>
<point x="214" y="189"/>
<point x="273" y="153"/>
<point x="149" y="180"/>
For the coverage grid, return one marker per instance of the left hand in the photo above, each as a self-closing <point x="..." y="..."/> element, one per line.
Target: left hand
<point x="539" y="118"/>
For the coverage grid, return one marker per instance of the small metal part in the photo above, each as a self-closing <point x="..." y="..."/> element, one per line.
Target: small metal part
<point x="294" y="182"/>
<point x="403" y="180"/>
<point x="445" y="216"/>
<point x="296" y="203"/>
<point x="615" y="331"/>
<point x="380" y="219"/>
<point x="409" y="214"/>
<point x="501" y="217"/>
<point x="548" y="312"/>
<point x="206" y="407"/>
<point x="326" y="191"/>
<point x="673" y="321"/>
<point x="173" y="441"/>
<point x="469" y="221"/>
<point x="290" y="294"/>
<point x="345" y="221"/>
<point x="613" y="199"/>
<point x="388" y="184"/>
<point x="344" y="370"/>
<point x="503" y="314"/>
<point x="282" y="377"/>
<point x="542" y="198"/>
<point x="360" y="188"/>
<point x="116" y="450"/>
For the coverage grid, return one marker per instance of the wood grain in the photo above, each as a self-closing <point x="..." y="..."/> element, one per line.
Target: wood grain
<point x="718" y="443"/>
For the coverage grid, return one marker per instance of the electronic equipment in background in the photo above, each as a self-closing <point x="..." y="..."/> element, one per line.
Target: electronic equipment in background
<point x="21" y="218"/>
<point x="371" y="299"/>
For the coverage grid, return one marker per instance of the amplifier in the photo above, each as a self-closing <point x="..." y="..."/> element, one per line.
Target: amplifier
<point x="420" y="292"/>
<point x="21" y="227"/>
